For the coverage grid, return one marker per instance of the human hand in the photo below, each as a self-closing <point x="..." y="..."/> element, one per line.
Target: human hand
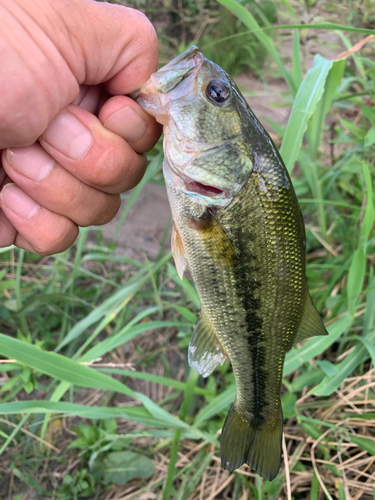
<point x="61" y="166"/>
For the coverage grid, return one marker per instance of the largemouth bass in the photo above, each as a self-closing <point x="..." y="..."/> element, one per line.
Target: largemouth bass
<point x="239" y="228"/>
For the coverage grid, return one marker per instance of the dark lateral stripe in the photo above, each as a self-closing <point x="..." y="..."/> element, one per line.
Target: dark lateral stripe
<point x="244" y="271"/>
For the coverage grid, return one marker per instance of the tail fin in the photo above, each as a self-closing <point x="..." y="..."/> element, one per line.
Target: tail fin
<point x="258" y="446"/>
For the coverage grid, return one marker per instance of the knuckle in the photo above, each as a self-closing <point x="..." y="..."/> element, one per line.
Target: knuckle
<point x="19" y="133"/>
<point x="100" y="212"/>
<point x="105" y="216"/>
<point x="109" y="169"/>
<point x="61" y="235"/>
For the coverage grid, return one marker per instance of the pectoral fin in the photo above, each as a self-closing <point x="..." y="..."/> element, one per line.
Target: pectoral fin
<point x="205" y="350"/>
<point x="311" y="323"/>
<point x="178" y="252"/>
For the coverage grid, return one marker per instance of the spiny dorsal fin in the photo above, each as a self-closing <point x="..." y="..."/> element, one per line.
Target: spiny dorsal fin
<point x="311" y="323"/>
<point x="205" y="350"/>
<point x="178" y="252"/>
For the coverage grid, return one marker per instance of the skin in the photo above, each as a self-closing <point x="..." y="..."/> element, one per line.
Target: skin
<point x="70" y="139"/>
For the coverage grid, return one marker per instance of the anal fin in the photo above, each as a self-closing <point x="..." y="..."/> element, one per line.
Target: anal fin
<point x="205" y="349"/>
<point x="178" y="252"/>
<point x="311" y="323"/>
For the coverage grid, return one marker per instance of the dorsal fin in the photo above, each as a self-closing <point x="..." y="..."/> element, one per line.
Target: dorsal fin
<point x="178" y="252"/>
<point x="311" y="323"/>
<point x="205" y="349"/>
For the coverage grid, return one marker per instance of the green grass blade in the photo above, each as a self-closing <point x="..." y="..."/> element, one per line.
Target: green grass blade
<point x="249" y="20"/>
<point x="329" y="384"/>
<point x="309" y="94"/>
<point x="70" y="371"/>
<point x="109" y="306"/>
<point x="357" y="270"/>
<point x="185" y="284"/>
<point x="317" y="120"/>
<point x="364" y="443"/>
<point x="135" y="413"/>
<point x="216" y="405"/>
<point x="369" y="319"/>
<point x="59" y="366"/>
<point x="296" y="61"/>
<point x="316" y="345"/>
<point x="191" y="383"/>
<point x="325" y="26"/>
<point x="156" y="379"/>
<point x="126" y="334"/>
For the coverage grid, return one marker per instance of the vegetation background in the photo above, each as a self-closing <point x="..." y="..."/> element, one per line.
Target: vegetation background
<point x="97" y="399"/>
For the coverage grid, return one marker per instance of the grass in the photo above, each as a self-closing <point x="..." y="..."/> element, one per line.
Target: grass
<point x="97" y="398"/>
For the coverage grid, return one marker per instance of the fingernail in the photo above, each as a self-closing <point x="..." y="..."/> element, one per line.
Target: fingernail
<point x="67" y="134"/>
<point x="18" y="202"/>
<point x="126" y="123"/>
<point x="32" y="162"/>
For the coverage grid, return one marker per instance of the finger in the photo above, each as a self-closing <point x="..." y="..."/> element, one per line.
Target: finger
<point x="38" y="230"/>
<point x="54" y="188"/>
<point x="7" y="231"/>
<point x="78" y="141"/>
<point x="122" y="116"/>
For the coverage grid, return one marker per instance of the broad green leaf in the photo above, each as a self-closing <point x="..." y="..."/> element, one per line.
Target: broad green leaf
<point x="308" y="95"/>
<point x="316" y="345"/>
<point x="122" y="466"/>
<point x="216" y="405"/>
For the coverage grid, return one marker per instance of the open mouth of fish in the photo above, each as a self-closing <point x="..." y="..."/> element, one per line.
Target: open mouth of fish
<point x="203" y="190"/>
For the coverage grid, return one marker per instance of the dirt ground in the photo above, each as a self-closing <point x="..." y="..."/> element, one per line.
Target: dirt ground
<point x="143" y="228"/>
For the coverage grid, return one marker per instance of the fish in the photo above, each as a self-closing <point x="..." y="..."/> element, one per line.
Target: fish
<point x="238" y="227"/>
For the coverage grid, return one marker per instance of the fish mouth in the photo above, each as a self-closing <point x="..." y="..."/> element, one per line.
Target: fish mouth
<point x="172" y="74"/>
<point x="204" y="190"/>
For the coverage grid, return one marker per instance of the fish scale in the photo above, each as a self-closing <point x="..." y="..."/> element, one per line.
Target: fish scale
<point x="238" y="226"/>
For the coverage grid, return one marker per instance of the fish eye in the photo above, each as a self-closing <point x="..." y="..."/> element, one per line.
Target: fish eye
<point x="217" y="91"/>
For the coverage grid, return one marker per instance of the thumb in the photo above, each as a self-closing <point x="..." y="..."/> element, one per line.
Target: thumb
<point x="49" y="48"/>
